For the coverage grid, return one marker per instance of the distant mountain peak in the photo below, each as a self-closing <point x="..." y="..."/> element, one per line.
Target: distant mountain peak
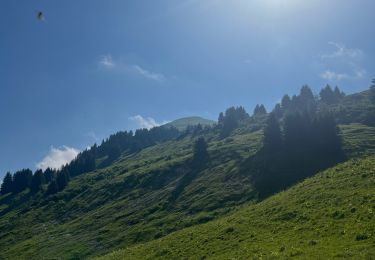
<point x="184" y="122"/>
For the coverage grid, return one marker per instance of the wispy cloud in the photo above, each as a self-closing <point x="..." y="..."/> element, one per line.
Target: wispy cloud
<point x="107" y="62"/>
<point x="148" y="74"/>
<point x="341" y="51"/>
<point x="146" y="122"/>
<point x="333" y="76"/>
<point x="342" y="63"/>
<point x="57" y="157"/>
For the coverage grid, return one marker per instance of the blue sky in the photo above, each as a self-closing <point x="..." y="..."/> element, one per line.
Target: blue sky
<point x="93" y="67"/>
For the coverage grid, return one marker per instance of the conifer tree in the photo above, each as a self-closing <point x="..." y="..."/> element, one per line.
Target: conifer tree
<point x="52" y="187"/>
<point x="7" y="185"/>
<point x="37" y="181"/>
<point x="326" y="95"/>
<point x="22" y="180"/>
<point x="277" y="111"/>
<point x="272" y="141"/>
<point x="62" y="179"/>
<point x="285" y="102"/>
<point x="49" y="175"/>
<point x="200" y="154"/>
<point x="259" y="110"/>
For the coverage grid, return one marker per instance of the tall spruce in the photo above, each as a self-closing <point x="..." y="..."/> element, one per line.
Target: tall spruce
<point x="37" y="181"/>
<point x="7" y="185"/>
<point x="200" y="154"/>
<point x="272" y="141"/>
<point x="22" y="180"/>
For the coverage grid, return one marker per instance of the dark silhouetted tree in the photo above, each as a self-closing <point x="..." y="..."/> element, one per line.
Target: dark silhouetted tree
<point x="62" y="179"/>
<point x="22" y="180"/>
<point x="259" y="110"/>
<point x="278" y="111"/>
<point x="52" y="187"/>
<point x="49" y="175"/>
<point x="326" y="95"/>
<point x="200" y="154"/>
<point x="306" y="101"/>
<point x="231" y="119"/>
<point x="37" y="181"/>
<point x="272" y="141"/>
<point x="285" y="102"/>
<point x="338" y="94"/>
<point x="221" y="118"/>
<point x="7" y="185"/>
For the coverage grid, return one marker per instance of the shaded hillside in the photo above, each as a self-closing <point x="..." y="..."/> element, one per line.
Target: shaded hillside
<point x="126" y="203"/>
<point x="330" y="215"/>
<point x="138" y="187"/>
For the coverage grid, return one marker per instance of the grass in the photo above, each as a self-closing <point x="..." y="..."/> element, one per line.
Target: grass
<point x="182" y="123"/>
<point x="125" y="204"/>
<point x="358" y="140"/>
<point x="330" y="215"/>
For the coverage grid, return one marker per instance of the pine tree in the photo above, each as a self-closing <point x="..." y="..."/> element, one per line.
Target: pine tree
<point x="22" y="180"/>
<point x="49" y="175"/>
<point x="7" y="185"/>
<point x="200" y="154"/>
<point x="259" y="110"/>
<point x="338" y="94"/>
<point x="278" y="111"/>
<point x="62" y="179"/>
<point x="306" y="94"/>
<point x="37" y="181"/>
<point x="52" y="188"/>
<point x="272" y="141"/>
<point x="327" y="96"/>
<point x="221" y="118"/>
<point x="285" y="102"/>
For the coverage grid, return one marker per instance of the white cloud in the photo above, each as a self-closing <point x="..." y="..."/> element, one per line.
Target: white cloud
<point x="146" y="122"/>
<point x="148" y="74"/>
<point x="333" y="76"/>
<point x="107" y="61"/>
<point x="343" y="52"/>
<point x="57" y="157"/>
<point x="346" y="60"/>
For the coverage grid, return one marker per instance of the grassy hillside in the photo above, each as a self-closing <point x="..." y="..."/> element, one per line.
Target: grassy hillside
<point x="127" y="202"/>
<point x="131" y="200"/>
<point x="330" y="215"/>
<point x="182" y="123"/>
<point x="357" y="107"/>
<point x="358" y="140"/>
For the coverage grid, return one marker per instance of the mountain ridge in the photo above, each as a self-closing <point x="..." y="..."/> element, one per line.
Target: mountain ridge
<point x="184" y="122"/>
<point x="121" y="193"/>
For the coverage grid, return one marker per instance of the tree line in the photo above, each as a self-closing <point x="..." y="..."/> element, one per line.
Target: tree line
<point x="109" y="150"/>
<point x="294" y="148"/>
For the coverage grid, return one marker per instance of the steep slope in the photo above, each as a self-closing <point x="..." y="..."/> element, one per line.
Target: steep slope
<point x="137" y="188"/>
<point x="127" y="202"/>
<point x="183" y="123"/>
<point x="354" y="108"/>
<point x="330" y="215"/>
